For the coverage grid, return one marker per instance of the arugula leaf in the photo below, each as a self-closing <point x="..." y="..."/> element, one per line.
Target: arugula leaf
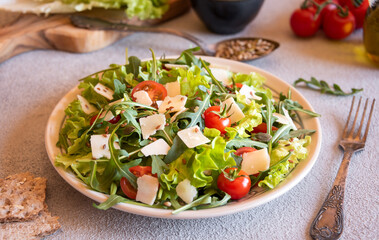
<point x="244" y="142"/>
<point x="324" y="87"/>
<point x="188" y="58"/>
<point x="110" y="202"/>
<point x="133" y="66"/>
<point x="195" y="117"/>
<point x="178" y="147"/>
<point x="154" y="66"/>
<point x="119" y="89"/>
<point x="298" y="133"/>
<point x="214" y="80"/>
<point x="157" y="165"/>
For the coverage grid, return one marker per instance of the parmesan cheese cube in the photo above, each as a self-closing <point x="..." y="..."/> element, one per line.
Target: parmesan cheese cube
<point x="186" y="191"/>
<point x="173" y="88"/>
<point x="147" y="188"/>
<point x="100" y="147"/>
<point x="172" y="104"/>
<point x="193" y="137"/>
<point x="86" y="106"/>
<point x="249" y="93"/>
<point x="104" y="91"/>
<point x="108" y="116"/>
<point x="142" y="97"/>
<point x="234" y="111"/>
<point x="150" y="124"/>
<point x="159" y="147"/>
<point x="222" y="75"/>
<point x="253" y="162"/>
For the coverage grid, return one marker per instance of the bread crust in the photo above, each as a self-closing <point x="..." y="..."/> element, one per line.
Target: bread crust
<point x="22" y="197"/>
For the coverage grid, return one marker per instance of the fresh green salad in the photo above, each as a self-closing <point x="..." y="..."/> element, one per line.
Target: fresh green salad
<point x="180" y="134"/>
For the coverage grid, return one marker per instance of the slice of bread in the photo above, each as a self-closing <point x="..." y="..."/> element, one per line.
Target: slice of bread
<point x="44" y="224"/>
<point x="21" y="197"/>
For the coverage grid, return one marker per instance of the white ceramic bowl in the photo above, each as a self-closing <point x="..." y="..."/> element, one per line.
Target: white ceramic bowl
<point x="252" y="200"/>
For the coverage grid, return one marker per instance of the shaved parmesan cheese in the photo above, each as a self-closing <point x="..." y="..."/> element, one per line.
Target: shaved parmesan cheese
<point x="171" y="66"/>
<point x="234" y="111"/>
<point x="186" y="191"/>
<point x="158" y="102"/>
<point x="116" y="102"/>
<point x="159" y="147"/>
<point x="142" y="97"/>
<point x="222" y="75"/>
<point x="86" y="106"/>
<point x="281" y="118"/>
<point x="253" y="162"/>
<point x="150" y="124"/>
<point x="289" y="118"/>
<point x="173" y="88"/>
<point x="100" y="147"/>
<point x="108" y="116"/>
<point x="147" y="189"/>
<point x="104" y="91"/>
<point x="172" y="104"/>
<point x="249" y="92"/>
<point x="193" y="137"/>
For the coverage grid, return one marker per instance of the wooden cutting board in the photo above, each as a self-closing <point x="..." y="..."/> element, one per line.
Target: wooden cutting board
<point x="25" y="32"/>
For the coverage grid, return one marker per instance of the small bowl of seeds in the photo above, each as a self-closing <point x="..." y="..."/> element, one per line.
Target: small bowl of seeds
<point x="245" y="49"/>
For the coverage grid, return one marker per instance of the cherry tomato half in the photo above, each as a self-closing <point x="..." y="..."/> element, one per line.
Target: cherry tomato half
<point x="155" y="90"/>
<point x="262" y="128"/>
<point x="212" y="120"/>
<point x="304" y="22"/>
<point x="242" y="150"/>
<point x="237" y="188"/>
<point x="338" y="25"/>
<point x="137" y="171"/>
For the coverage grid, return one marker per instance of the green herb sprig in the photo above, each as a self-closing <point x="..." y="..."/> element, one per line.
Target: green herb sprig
<point x="324" y="87"/>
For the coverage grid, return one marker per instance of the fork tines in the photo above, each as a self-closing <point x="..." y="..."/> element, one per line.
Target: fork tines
<point x="350" y="134"/>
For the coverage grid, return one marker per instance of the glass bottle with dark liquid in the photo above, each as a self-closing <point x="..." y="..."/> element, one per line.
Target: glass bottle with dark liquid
<point x="371" y="31"/>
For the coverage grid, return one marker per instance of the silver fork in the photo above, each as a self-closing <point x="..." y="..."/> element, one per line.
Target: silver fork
<point x="328" y="223"/>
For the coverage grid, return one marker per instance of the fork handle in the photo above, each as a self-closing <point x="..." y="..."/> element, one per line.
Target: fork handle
<point x="328" y="223"/>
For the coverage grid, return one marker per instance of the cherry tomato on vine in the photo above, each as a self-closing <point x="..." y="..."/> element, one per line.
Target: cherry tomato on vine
<point x="137" y="171"/>
<point x="242" y="150"/>
<point x="155" y="90"/>
<point x="304" y="22"/>
<point x="327" y="8"/>
<point x="236" y="184"/>
<point x="358" y="8"/>
<point x="338" y="24"/>
<point x="262" y="128"/>
<point x="213" y="120"/>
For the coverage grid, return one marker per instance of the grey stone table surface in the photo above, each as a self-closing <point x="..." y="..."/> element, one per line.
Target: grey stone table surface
<point x="32" y="83"/>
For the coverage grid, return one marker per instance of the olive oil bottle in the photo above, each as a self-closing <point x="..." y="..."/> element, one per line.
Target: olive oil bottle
<point x="371" y="31"/>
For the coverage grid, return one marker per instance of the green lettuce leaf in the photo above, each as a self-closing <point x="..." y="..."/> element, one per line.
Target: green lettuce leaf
<point x="253" y="116"/>
<point x="281" y="170"/>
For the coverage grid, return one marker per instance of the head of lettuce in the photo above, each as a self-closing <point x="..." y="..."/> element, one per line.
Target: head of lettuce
<point x="143" y="9"/>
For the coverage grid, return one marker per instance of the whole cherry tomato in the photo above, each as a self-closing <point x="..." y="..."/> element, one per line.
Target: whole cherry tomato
<point x="304" y="22"/>
<point x="155" y="90"/>
<point x="262" y="128"/>
<point x="242" y="150"/>
<point x="137" y="171"/>
<point x="236" y="184"/>
<point x="358" y="8"/>
<point x="212" y="119"/>
<point x="338" y="24"/>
